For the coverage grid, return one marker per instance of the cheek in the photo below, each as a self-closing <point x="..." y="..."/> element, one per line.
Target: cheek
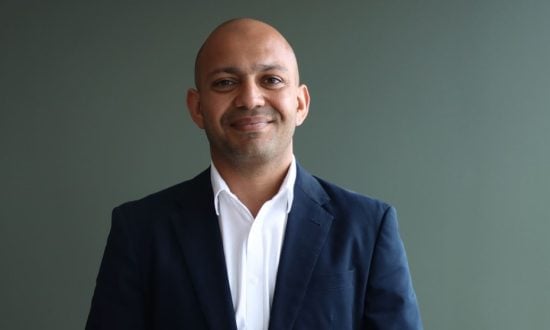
<point x="211" y="109"/>
<point x="216" y="105"/>
<point x="283" y="101"/>
<point x="288" y="108"/>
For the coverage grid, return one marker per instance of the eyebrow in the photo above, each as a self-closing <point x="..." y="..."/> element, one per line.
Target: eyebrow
<point x="257" y="67"/>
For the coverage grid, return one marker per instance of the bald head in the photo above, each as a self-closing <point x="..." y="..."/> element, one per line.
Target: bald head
<point x="243" y="36"/>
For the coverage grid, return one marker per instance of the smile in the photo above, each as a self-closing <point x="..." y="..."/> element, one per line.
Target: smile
<point x="248" y="124"/>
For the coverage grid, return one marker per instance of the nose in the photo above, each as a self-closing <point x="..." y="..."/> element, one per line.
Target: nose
<point x="250" y="96"/>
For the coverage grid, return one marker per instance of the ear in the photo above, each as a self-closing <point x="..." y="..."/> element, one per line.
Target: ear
<point x="194" y="107"/>
<point x="303" y="104"/>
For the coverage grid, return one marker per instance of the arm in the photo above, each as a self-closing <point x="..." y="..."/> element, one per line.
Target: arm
<point x="390" y="300"/>
<point x="118" y="301"/>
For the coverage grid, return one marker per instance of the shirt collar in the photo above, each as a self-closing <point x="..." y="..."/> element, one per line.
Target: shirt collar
<point x="286" y="189"/>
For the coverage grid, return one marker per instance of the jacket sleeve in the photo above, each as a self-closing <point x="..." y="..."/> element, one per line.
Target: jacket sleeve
<point x="118" y="300"/>
<point x="390" y="299"/>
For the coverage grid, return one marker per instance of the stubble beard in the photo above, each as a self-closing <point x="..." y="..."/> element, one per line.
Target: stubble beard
<point x="246" y="149"/>
<point x="251" y="150"/>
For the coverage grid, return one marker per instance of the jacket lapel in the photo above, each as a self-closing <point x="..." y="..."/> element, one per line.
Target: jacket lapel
<point x="198" y="232"/>
<point x="307" y="228"/>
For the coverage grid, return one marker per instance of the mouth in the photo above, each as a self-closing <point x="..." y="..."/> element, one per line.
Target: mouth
<point x="250" y="124"/>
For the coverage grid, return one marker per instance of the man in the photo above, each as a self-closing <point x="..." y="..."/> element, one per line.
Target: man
<point x="255" y="241"/>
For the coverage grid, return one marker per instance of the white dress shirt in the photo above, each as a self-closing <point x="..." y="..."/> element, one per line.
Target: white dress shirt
<point x="252" y="248"/>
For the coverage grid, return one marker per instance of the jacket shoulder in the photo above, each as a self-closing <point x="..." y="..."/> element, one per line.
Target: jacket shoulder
<point x="352" y="204"/>
<point x="165" y="201"/>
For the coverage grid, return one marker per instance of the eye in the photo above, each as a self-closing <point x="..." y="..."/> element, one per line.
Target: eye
<point x="223" y="84"/>
<point x="273" y="81"/>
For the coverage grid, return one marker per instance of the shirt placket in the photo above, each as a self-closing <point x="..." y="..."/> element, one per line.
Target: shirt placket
<point x="254" y="277"/>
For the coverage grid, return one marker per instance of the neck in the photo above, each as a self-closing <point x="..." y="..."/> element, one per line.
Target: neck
<point x="254" y="184"/>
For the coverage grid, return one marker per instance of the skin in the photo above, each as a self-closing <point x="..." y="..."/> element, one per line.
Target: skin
<point x="249" y="101"/>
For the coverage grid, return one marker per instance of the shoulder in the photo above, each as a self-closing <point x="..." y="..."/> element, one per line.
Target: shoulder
<point x="338" y="199"/>
<point x="350" y="210"/>
<point x="166" y="201"/>
<point x="346" y="202"/>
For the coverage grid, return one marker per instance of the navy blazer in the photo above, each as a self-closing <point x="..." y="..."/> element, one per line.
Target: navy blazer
<point x="342" y="264"/>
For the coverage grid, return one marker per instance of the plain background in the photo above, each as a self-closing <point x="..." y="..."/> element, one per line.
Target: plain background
<point x="438" y="107"/>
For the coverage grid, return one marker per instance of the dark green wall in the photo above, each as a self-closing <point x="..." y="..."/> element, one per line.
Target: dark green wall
<point x="439" y="107"/>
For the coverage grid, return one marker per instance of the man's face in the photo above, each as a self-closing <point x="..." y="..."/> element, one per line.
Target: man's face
<point x="248" y="99"/>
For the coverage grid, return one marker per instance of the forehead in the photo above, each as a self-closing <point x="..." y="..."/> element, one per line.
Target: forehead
<point x="247" y="49"/>
<point x="234" y="51"/>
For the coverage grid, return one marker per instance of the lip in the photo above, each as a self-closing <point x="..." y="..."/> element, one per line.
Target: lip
<point x="248" y="124"/>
